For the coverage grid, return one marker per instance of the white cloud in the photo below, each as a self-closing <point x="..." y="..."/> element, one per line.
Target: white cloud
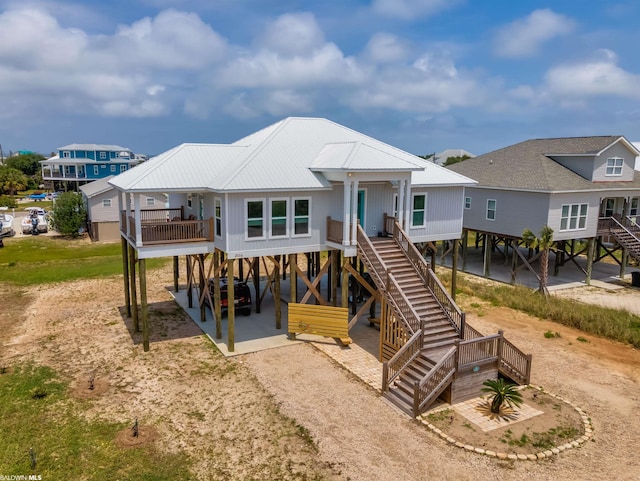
<point x="385" y="48"/>
<point x="293" y="34"/>
<point x="525" y="36"/>
<point x="597" y="77"/>
<point x="412" y="9"/>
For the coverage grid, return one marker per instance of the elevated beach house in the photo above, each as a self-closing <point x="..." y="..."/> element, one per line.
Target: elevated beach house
<point x="584" y="188"/>
<point x="78" y="164"/>
<point x="352" y="207"/>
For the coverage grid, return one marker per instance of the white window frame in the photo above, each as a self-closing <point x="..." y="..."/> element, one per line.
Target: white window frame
<point x="286" y="217"/>
<point x="494" y="210"/>
<point x="614" y="167"/>
<point x="123" y="168"/>
<point x="190" y="201"/>
<point x="96" y="170"/>
<point x="217" y="213"/>
<point x="294" y="217"/>
<point x="395" y="205"/>
<point x="423" y="210"/>
<point x="247" y="219"/>
<point x="633" y="210"/>
<point x="467" y="203"/>
<point x="150" y="202"/>
<point x="113" y="168"/>
<point x="574" y="214"/>
<point x="106" y="202"/>
<point x="103" y="156"/>
<point x="66" y="154"/>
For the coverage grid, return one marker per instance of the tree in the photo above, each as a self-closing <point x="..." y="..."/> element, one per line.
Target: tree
<point x="29" y="164"/>
<point x="544" y="243"/>
<point x="8" y="201"/>
<point x="12" y="180"/>
<point x="69" y="214"/>
<point x="455" y="160"/>
<point x="502" y="393"/>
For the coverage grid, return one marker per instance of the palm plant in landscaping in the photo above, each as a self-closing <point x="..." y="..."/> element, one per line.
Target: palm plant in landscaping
<point x="502" y="393"/>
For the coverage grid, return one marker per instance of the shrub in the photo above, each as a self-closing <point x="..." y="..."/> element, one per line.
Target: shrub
<point x="68" y="214"/>
<point x="502" y="393"/>
<point x="8" y="201"/>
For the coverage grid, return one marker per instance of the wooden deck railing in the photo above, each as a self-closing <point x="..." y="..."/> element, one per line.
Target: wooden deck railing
<point x="450" y="308"/>
<point x="166" y="226"/>
<point x="431" y="386"/>
<point x="392" y="368"/>
<point x="513" y="362"/>
<point x="375" y="264"/>
<point x="479" y="350"/>
<point x="389" y="222"/>
<point x="334" y="230"/>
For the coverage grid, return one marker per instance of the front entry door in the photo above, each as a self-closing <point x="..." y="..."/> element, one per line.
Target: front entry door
<point x="361" y="208"/>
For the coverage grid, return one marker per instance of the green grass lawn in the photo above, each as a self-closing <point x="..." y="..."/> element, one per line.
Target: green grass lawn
<point x="35" y="412"/>
<point x="40" y="259"/>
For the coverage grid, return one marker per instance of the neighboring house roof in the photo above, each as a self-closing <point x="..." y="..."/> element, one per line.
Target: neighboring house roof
<point x="287" y="155"/>
<point x="442" y="157"/>
<point x="529" y="166"/>
<point x="101" y="147"/>
<point x="97" y="187"/>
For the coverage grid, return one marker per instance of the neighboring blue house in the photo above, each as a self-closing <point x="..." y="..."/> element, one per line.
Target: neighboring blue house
<point x="82" y="163"/>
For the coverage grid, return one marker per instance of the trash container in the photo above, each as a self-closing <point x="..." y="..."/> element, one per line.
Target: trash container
<point x="635" y="279"/>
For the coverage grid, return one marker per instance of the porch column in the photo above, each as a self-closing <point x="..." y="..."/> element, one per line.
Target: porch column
<point x="400" y="202"/>
<point x="347" y="212"/>
<point x="125" y="275"/>
<point x="407" y="207"/>
<point x="132" y="284"/>
<point x="354" y="213"/>
<point x="138" y="220"/>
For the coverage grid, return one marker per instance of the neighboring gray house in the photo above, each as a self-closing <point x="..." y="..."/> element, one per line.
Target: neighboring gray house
<point x="101" y="203"/>
<point x="573" y="185"/>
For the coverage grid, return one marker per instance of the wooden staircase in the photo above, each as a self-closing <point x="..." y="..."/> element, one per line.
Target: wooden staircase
<point x="437" y="345"/>
<point x="627" y="234"/>
<point x="439" y="333"/>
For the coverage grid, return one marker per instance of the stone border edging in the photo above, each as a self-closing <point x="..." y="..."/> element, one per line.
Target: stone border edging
<point x="588" y="434"/>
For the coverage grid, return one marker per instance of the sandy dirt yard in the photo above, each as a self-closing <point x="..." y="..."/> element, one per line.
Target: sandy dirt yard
<point x="293" y="413"/>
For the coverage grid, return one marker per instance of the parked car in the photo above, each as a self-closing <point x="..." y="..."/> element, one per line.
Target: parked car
<point x="241" y="295"/>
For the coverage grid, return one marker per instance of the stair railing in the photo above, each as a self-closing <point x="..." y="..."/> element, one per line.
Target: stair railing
<point x="449" y="307"/>
<point x="513" y="362"/>
<point x="431" y="386"/>
<point x="403" y="304"/>
<point x="375" y="264"/>
<point x="392" y="368"/>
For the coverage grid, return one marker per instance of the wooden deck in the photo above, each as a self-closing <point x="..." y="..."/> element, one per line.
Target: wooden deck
<point x="166" y="226"/>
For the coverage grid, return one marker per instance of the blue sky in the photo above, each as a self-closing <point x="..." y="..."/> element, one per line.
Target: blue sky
<point x="424" y="75"/>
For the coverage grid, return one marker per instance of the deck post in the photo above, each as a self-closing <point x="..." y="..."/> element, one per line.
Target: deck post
<point x="276" y="292"/>
<point x="465" y="239"/>
<point x="202" y="284"/>
<point x="231" y="314"/>
<point x="590" y="255"/>
<point x="293" y="278"/>
<point x="125" y="275"/>
<point x="256" y="282"/>
<point x="624" y="260"/>
<point x="354" y="288"/>
<point x="189" y="282"/>
<point x="500" y="344"/>
<point x="217" y="309"/>
<point x="487" y="255"/>
<point x="454" y="268"/>
<point x="176" y="273"/>
<point x="345" y="283"/>
<point x="132" y="283"/>
<point x="334" y="276"/>
<point x="143" y="304"/>
<point x="514" y="260"/>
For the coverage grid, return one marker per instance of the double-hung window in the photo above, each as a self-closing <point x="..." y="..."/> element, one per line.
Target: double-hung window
<point x="467" y="202"/>
<point x="418" y="216"/>
<point x="255" y="219"/>
<point x="106" y="202"/>
<point x="574" y="217"/>
<point x="96" y="170"/>
<point x="218" y="216"/>
<point x="633" y="206"/>
<point x="614" y="166"/>
<point x="491" y="209"/>
<point x="151" y="202"/>
<point x="301" y="216"/>
<point x="278" y="218"/>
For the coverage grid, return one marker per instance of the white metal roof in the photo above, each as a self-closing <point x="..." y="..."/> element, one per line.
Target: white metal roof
<point x="286" y="155"/>
<point x="96" y="187"/>
<point x="101" y="147"/>
<point x="435" y="175"/>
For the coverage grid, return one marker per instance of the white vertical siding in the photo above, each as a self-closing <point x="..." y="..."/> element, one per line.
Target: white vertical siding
<point x="443" y="214"/>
